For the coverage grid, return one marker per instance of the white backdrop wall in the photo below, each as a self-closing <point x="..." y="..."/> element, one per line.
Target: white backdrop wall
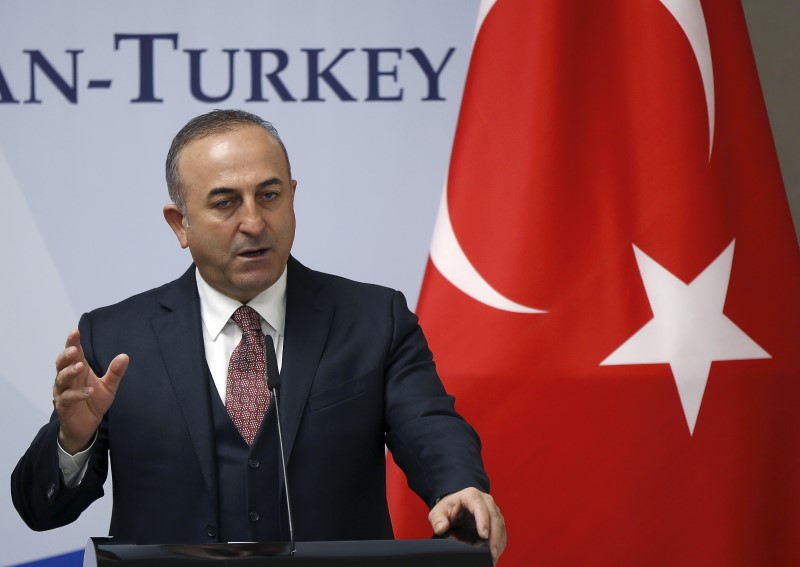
<point x="83" y="140"/>
<point x="81" y="161"/>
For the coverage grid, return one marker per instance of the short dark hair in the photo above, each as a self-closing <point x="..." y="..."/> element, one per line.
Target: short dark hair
<point x="214" y="122"/>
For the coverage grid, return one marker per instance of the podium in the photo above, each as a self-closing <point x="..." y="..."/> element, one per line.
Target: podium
<point x="105" y="552"/>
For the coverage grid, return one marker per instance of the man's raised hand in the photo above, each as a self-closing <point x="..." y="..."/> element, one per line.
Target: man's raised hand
<point x="81" y="398"/>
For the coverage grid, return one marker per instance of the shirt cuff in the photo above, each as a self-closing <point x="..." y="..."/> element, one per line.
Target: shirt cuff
<point x="73" y="467"/>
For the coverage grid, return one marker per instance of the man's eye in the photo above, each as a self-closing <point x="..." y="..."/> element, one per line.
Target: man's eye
<point x="223" y="204"/>
<point x="272" y="195"/>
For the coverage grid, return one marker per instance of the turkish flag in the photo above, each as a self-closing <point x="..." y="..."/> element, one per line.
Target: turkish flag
<point x="613" y="294"/>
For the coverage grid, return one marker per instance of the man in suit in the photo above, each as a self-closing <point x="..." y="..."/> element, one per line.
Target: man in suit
<point x="190" y="429"/>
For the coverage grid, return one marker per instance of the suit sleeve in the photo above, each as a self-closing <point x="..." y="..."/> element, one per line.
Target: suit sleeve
<point x="38" y="491"/>
<point x="436" y="448"/>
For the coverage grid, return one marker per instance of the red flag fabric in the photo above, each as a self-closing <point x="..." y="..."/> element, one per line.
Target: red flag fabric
<point x="614" y="288"/>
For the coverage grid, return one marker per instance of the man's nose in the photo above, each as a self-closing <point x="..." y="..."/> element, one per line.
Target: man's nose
<point x="251" y="219"/>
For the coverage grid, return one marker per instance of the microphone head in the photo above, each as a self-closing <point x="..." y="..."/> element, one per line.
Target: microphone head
<point x="273" y="375"/>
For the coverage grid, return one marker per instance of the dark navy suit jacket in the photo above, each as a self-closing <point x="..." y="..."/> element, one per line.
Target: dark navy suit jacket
<point x="357" y="374"/>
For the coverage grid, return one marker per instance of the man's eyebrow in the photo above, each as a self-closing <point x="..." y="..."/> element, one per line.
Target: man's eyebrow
<point x="216" y="191"/>
<point x="269" y="182"/>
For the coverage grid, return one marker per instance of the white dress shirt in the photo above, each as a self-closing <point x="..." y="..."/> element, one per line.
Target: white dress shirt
<point x="221" y="334"/>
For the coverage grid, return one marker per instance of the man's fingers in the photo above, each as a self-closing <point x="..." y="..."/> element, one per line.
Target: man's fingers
<point x="74" y="395"/>
<point x="477" y="506"/>
<point x="497" y="541"/>
<point x="471" y="516"/>
<point x="73" y="338"/>
<point x="70" y="386"/>
<point x="72" y="355"/>
<point x="463" y="511"/>
<point x="116" y="370"/>
<point x="69" y="377"/>
<point x="439" y="519"/>
<point x="66" y="357"/>
<point x="76" y="382"/>
<point x="472" y="502"/>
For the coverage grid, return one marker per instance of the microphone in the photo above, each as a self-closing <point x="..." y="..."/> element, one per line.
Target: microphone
<point x="274" y="383"/>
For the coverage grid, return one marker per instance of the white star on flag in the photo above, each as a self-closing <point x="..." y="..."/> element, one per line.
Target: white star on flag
<point x="688" y="329"/>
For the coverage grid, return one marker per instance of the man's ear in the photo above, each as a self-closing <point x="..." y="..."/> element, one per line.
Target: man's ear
<point x="175" y="220"/>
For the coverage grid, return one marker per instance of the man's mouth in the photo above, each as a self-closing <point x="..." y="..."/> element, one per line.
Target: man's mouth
<point x="255" y="253"/>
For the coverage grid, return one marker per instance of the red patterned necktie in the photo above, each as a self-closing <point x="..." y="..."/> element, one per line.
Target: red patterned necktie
<point x="246" y="394"/>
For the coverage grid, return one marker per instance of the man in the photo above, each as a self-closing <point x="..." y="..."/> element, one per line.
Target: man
<point x="190" y="429"/>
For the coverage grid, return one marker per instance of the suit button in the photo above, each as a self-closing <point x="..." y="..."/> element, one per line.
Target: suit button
<point x="254" y="464"/>
<point x="211" y="530"/>
<point x="254" y="517"/>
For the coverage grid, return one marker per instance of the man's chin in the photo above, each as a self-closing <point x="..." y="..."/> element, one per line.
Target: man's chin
<point x="250" y="285"/>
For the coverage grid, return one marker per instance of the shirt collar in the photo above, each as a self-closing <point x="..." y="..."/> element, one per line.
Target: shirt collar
<point x="216" y="308"/>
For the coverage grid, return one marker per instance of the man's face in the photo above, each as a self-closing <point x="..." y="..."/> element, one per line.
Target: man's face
<point x="239" y="223"/>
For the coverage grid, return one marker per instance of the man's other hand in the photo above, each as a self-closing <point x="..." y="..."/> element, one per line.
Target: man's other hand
<point x="470" y="516"/>
<point x="80" y="397"/>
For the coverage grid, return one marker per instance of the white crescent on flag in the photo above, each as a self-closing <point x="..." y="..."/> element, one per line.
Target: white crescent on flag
<point x="689" y="15"/>
<point x="446" y="252"/>
<point x="449" y="258"/>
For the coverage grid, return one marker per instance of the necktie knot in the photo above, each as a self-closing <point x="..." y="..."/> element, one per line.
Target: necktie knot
<point x="248" y="320"/>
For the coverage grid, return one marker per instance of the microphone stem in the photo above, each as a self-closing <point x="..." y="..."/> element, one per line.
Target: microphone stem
<point x="285" y="476"/>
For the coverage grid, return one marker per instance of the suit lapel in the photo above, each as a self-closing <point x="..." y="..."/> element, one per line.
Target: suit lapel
<point x="308" y="320"/>
<point x="178" y="331"/>
<point x="180" y="339"/>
